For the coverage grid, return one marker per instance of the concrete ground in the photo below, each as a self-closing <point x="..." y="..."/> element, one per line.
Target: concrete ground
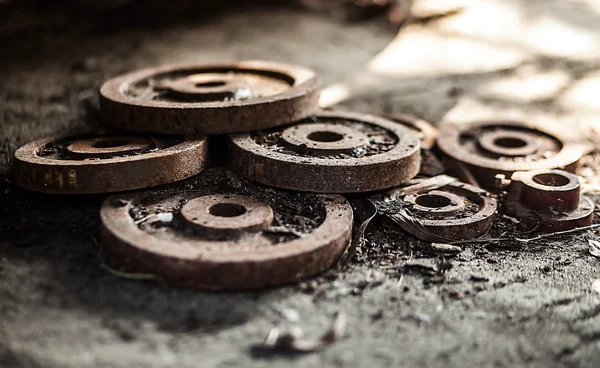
<point x="501" y="304"/>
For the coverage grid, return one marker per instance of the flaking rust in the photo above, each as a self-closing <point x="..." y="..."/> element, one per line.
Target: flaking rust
<point x="547" y="200"/>
<point x="331" y="152"/>
<point x="104" y="164"/>
<point x="214" y="98"/>
<point x="488" y="148"/>
<point x="221" y="236"/>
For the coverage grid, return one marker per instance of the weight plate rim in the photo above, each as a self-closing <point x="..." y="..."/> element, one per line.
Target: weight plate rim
<point x="121" y="235"/>
<point x="489" y="208"/>
<point x="243" y="145"/>
<point x="129" y="113"/>
<point x="447" y="142"/>
<point x="192" y="148"/>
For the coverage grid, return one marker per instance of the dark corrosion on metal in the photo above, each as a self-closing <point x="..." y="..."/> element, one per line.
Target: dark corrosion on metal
<point x="456" y="211"/>
<point x="104" y="164"/>
<point x="426" y="132"/>
<point x="331" y="152"/>
<point x="503" y="147"/>
<point x="219" y="241"/>
<point x="548" y="200"/>
<point x="210" y="98"/>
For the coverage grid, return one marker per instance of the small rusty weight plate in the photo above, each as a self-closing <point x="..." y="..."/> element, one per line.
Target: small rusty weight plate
<point x="209" y="98"/>
<point x="489" y="148"/>
<point x="426" y="132"/>
<point x="456" y="211"/>
<point x="104" y="164"/>
<point x="331" y="152"/>
<point x="223" y="237"/>
<point x="548" y="200"/>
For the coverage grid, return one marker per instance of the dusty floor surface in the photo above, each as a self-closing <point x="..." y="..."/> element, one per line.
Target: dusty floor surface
<point x="501" y="304"/>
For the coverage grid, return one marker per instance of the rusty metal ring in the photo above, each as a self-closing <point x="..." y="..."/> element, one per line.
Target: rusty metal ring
<point x="456" y="211"/>
<point x="158" y="241"/>
<point x="104" y="164"/>
<point x="210" y="98"/>
<point x="548" y="200"/>
<point x="503" y="147"/>
<point x="389" y="158"/>
<point x="426" y="132"/>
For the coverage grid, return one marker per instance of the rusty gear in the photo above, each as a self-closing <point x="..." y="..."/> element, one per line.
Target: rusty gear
<point x="456" y="211"/>
<point x="219" y="234"/>
<point x="548" y="200"/>
<point x="103" y="164"/>
<point x="503" y="147"/>
<point x="210" y="98"/>
<point x="331" y="152"/>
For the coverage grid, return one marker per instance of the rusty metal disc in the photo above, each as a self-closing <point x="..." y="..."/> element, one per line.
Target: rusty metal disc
<point x="426" y="132"/>
<point x="456" y="211"/>
<point x="331" y="152"/>
<point x="503" y="147"/>
<point x="548" y="200"/>
<point x="210" y="98"/>
<point x="103" y="164"/>
<point x="215" y="234"/>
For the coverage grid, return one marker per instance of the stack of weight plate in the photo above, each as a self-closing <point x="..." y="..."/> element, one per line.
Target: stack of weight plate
<point x="273" y="215"/>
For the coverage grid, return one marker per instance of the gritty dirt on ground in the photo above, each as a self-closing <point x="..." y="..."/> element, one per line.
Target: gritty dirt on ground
<point x="500" y="303"/>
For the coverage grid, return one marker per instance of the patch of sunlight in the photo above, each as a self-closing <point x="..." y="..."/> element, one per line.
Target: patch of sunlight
<point x="333" y="94"/>
<point x="428" y="8"/>
<point x="555" y="38"/>
<point x="584" y="94"/>
<point x="527" y="86"/>
<point x="455" y="45"/>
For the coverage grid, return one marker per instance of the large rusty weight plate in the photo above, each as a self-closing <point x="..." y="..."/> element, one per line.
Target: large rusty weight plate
<point x="331" y="152"/>
<point x="489" y="148"/>
<point x="210" y="98"/>
<point x="103" y="164"/>
<point x="217" y="236"/>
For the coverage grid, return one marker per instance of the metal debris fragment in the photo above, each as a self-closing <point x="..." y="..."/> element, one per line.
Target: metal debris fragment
<point x="445" y="248"/>
<point x="294" y="342"/>
<point x="594" y="247"/>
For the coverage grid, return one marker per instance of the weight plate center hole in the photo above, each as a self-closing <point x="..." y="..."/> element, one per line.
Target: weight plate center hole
<point x="510" y="142"/>
<point x="325" y="136"/>
<point x="210" y="84"/>
<point x="227" y="210"/>
<point x="433" y="201"/>
<point x="110" y="143"/>
<point x="551" y="180"/>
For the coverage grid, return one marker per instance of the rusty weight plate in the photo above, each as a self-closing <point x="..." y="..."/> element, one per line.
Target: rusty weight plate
<point x="215" y="234"/>
<point x="331" y="152"/>
<point x="426" y="132"/>
<point x="503" y="147"/>
<point x="210" y="98"/>
<point x="103" y="164"/>
<point x="456" y="211"/>
<point x="548" y="200"/>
